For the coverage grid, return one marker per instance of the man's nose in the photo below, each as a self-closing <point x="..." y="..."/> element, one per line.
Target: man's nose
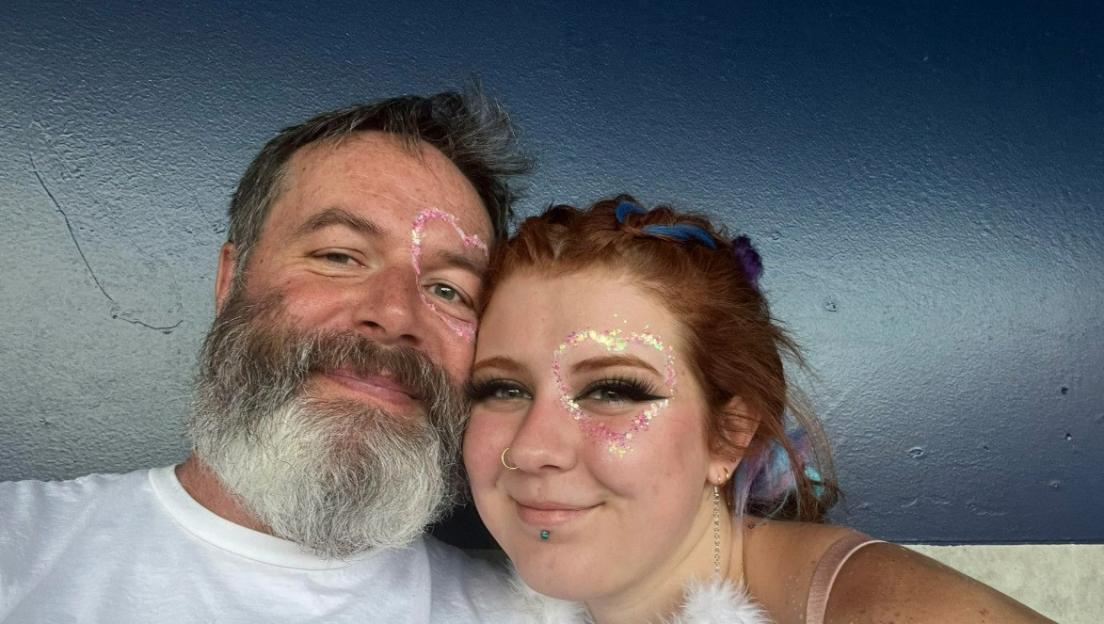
<point x="389" y="309"/>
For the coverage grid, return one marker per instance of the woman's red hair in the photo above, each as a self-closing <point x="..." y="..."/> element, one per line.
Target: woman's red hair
<point x="734" y="347"/>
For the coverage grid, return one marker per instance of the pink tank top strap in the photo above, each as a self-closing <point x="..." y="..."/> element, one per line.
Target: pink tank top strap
<point x="826" y="571"/>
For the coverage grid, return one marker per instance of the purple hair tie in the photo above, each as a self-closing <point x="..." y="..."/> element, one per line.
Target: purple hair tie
<point x="748" y="259"/>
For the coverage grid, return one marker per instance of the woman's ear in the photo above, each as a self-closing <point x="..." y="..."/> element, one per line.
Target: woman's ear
<point x="720" y="471"/>
<point x="739" y="425"/>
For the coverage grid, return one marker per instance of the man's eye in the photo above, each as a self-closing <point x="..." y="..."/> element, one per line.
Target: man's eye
<point x="448" y="293"/>
<point x="337" y="257"/>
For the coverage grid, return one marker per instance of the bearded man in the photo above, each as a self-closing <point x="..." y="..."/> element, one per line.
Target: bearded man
<point x="327" y="415"/>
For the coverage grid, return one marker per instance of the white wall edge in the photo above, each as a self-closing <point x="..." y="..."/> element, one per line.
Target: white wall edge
<point x="1064" y="582"/>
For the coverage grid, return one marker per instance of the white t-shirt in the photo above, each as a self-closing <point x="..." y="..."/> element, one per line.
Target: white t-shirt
<point x="137" y="548"/>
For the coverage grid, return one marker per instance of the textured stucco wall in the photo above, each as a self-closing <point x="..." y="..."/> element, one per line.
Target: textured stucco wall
<point x="926" y="186"/>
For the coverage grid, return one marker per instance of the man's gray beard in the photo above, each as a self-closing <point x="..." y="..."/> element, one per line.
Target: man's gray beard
<point x="336" y="476"/>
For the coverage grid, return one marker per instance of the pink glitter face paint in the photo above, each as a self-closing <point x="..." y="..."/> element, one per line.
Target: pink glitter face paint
<point x="418" y="229"/>
<point x="617" y="442"/>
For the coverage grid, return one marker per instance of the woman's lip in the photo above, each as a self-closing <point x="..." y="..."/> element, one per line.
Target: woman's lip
<point x="544" y="515"/>
<point x="375" y="386"/>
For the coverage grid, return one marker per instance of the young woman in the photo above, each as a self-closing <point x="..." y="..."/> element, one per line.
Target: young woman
<point x="632" y="447"/>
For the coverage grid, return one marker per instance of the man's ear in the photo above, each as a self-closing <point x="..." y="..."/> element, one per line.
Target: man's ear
<point x="740" y="425"/>
<point x="224" y="277"/>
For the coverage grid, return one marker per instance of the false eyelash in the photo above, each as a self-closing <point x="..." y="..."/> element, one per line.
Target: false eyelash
<point x="635" y="390"/>
<point x="483" y="389"/>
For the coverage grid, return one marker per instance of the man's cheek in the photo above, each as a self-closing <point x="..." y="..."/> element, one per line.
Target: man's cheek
<point x="457" y="359"/>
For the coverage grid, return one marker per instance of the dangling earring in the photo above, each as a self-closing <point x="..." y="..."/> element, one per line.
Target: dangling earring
<point x="716" y="531"/>
<point x="717" y="524"/>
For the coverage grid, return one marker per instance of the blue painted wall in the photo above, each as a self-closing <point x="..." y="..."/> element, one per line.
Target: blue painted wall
<point x="926" y="184"/>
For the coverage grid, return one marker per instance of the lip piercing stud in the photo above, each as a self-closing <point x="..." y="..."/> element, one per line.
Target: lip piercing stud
<point x="544" y="535"/>
<point x="502" y="458"/>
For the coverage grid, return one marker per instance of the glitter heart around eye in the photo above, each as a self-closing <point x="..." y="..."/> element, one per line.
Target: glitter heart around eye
<point x="464" y="329"/>
<point x="618" y="443"/>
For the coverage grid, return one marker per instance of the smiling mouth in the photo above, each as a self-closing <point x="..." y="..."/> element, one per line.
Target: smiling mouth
<point x="545" y="515"/>
<point x="379" y="388"/>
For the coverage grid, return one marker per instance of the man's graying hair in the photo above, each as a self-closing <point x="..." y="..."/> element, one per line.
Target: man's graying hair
<point x="471" y="130"/>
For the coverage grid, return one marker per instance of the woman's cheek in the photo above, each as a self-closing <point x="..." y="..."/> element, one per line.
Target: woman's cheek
<point x="480" y="442"/>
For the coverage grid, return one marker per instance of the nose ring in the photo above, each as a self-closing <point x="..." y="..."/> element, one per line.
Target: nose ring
<point x="502" y="458"/>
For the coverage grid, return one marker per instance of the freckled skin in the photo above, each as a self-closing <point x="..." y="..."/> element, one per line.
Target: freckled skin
<point x="880" y="583"/>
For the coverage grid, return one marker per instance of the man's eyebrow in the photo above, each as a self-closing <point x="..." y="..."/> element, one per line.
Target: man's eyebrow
<point x="476" y="265"/>
<point x="598" y="363"/>
<point x="499" y="361"/>
<point x="337" y="216"/>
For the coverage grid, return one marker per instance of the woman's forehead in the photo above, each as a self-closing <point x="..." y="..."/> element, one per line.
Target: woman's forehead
<point x="593" y="310"/>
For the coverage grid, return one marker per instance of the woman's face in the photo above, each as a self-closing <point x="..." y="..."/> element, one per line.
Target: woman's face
<point x="584" y="378"/>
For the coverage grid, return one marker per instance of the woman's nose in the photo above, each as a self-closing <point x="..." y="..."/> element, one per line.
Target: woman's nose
<point x="547" y="439"/>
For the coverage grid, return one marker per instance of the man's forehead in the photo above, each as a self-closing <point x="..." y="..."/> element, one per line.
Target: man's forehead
<point x="384" y="179"/>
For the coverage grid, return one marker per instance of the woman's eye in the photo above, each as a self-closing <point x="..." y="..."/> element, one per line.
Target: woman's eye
<point x="608" y="395"/>
<point x="507" y="393"/>
<point x="613" y="391"/>
<point x="496" y="390"/>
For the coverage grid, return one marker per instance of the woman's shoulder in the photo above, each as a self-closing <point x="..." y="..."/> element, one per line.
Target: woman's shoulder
<point x="863" y="580"/>
<point x="780" y="559"/>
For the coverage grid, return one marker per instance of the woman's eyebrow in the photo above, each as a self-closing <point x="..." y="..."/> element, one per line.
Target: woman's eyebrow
<point x="606" y="361"/>
<point x="498" y="361"/>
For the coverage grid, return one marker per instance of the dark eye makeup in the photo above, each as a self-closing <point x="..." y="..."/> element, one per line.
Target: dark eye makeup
<point x="495" y="389"/>
<point x="608" y="390"/>
<point x="620" y="390"/>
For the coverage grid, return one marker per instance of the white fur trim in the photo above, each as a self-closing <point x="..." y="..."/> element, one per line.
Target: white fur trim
<point x="542" y="609"/>
<point x="714" y="602"/>
<point x="719" y="602"/>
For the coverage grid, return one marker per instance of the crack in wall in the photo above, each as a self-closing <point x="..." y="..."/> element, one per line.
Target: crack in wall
<point x="115" y="308"/>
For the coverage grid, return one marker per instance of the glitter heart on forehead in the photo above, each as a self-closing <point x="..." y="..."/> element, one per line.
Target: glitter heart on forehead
<point x="464" y="329"/>
<point x="618" y="443"/>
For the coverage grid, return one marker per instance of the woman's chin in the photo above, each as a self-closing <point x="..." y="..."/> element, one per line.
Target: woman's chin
<point x="562" y="589"/>
<point x="572" y="583"/>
